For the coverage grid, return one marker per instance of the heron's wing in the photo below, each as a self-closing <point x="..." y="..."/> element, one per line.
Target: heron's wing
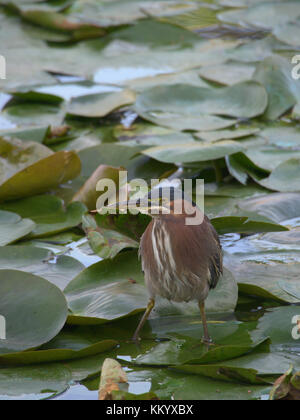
<point x="197" y="249"/>
<point x="216" y="260"/>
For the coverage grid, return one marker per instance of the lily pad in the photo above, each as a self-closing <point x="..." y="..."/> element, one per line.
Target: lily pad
<point x="106" y="243"/>
<point x="192" y="101"/>
<point x="155" y="33"/>
<point x="275" y="74"/>
<point x="285" y="178"/>
<point x="185" y="350"/>
<point x="123" y="12"/>
<point x="40" y="262"/>
<point x="288" y="33"/>
<point x="49" y="214"/>
<point x="65" y="347"/>
<point x="169" y="384"/>
<point x="244" y="225"/>
<point x="282" y="135"/>
<point x="36" y="134"/>
<point x="33" y="383"/>
<point x="35" y="310"/>
<point x="117" y="155"/>
<point x="91" y="294"/>
<point x="193" y="152"/>
<point x="100" y="105"/>
<point x="270" y="157"/>
<point x="228" y="74"/>
<point x="16" y="156"/>
<point x="259" y="15"/>
<point x="212" y="136"/>
<point x="13" y="227"/>
<point x="41" y="176"/>
<point x="267" y="280"/>
<point x="181" y="122"/>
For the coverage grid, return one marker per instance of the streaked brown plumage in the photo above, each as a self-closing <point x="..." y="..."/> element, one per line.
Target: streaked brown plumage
<point x="180" y="262"/>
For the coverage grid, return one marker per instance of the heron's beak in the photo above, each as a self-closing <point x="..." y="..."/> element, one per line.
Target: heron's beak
<point x="144" y="206"/>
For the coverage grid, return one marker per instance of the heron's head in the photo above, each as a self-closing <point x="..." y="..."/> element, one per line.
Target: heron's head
<point x="159" y="202"/>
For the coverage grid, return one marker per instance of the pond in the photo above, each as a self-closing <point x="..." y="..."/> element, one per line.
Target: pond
<point x="162" y="89"/>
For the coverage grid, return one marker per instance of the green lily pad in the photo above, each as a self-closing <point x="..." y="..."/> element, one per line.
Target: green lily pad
<point x="275" y="74"/>
<point x="100" y="105"/>
<point x="235" y="224"/>
<point x="49" y="214"/>
<point x="192" y="101"/>
<point x="28" y="95"/>
<point x="40" y="262"/>
<point x="36" y="134"/>
<point x="33" y="383"/>
<point x="253" y="369"/>
<point x="123" y="12"/>
<point x="278" y="324"/>
<point x="132" y="226"/>
<point x="193" y="152"/>
<point x="155" y="33"/>
<point x="228" y="73"/>
<point x="117" y="155"/>
<point x="241" y="168"/>
<point x="22" y="114"/>
<point x="282" y="135"/>
<point x="60" y="22"/>
<point x="91" y="294"/>
<point x="168" y="384"/>
<point x="267" y="280"/>
<point x="288" y="33"/>
<point x="41" y="176"/>
<point x="258" y="15"/>
<point x="269" y="157"/>
<point x="35" y="310"/>
<point x="285" y="178"/>
<point x="276" y="207"/>
<point x="212" y="136"/>
<point x="16" y="156"/>
<point x="185" y="350"/>
<point x="189" y="77"/>
<point x="181" y="122"/>
<point x="13" y="227"/>
<point x="67" y="346"/>
<point x="106" y="243"/>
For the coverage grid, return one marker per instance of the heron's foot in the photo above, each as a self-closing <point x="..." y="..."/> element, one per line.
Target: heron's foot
<point x="207" y="341"/>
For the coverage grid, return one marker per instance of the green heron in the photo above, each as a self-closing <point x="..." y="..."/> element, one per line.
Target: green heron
<point x="181" y="262"/>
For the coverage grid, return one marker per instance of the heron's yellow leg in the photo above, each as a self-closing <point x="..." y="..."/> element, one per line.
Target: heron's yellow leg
<point x="206" y="338"/>
<point x="150" y="306"/>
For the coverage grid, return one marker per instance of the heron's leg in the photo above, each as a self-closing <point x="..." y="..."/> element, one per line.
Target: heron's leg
<point x="206" y="338"/>
<point x="150" y="306"/>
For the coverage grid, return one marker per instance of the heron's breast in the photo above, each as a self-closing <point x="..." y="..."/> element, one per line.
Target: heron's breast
<point x="169" y="279"/>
